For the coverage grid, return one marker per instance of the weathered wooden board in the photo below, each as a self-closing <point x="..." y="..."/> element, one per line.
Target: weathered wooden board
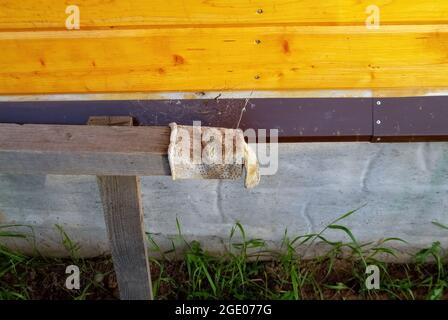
<point x="123" y="213"/>
<point x="124" y="221"/>
<point x="90" y="150"/>
<point x="34" y="14"/>
<point x="195" y="59"/>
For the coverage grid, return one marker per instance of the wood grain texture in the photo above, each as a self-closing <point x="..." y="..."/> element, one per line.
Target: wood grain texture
<point x="90" y="150"/>
<point x="222" y="45"/>
<point x="197" y="59"/>
<point x="124" y="221"/>
<point x="123" y="214"/>
<point x="38" y="14"/>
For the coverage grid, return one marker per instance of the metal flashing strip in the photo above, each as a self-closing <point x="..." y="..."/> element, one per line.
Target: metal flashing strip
<point x="410" y="119"/>
<point x="297" y="119"/>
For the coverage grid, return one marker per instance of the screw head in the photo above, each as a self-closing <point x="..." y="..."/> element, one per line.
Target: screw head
<point x="260" y="11"/>
<point x="378" y="103"/>
<point x="378" y="121"/>
<point x="257" y="41"/>
<point x="257" y="77"/>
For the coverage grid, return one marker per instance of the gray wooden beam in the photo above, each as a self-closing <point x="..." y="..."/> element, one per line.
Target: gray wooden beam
<point x="123" y="213"/>
<point x="84" y="150"/>
<point x="124" y="221"/>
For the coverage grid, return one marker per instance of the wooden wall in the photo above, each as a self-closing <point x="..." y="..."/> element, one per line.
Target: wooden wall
<point x="194" y="45"/>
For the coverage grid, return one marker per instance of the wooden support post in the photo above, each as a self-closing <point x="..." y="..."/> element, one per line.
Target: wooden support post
<point x="123" y="214"/>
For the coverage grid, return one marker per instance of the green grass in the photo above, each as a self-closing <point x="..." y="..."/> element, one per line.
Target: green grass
<point x="33" y="277"/>
<point x="242" y="271"/>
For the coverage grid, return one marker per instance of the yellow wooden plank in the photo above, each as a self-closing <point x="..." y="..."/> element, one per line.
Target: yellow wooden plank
<point x="17" y="14"/>
<point x="196" y="59"/>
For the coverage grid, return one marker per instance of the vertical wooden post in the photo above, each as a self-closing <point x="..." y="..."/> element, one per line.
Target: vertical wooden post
<point x="123" y="213"/>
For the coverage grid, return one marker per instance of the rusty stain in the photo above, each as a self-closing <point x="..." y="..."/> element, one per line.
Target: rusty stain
<point x="42" y="62"/>
<point x="178" y="60"/>
<point x="161" y="71"/>
<point x="285" y="45"/>
<point x="93" y="63"/>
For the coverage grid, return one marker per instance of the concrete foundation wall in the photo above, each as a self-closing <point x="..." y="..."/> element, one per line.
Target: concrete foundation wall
<point x="403" y="186"/>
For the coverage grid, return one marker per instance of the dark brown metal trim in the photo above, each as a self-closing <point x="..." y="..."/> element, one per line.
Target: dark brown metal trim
<point x="410" y="119"/>
<point x="307" y="120"/>
<point x="297" y="119"/>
